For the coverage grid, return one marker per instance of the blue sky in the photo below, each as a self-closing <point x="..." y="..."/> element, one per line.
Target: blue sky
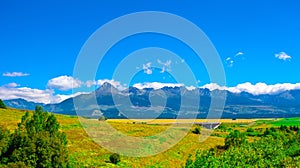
<point x="42" y="39"/>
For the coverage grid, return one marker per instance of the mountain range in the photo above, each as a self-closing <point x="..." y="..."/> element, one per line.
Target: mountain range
<point x="170" y="102"/>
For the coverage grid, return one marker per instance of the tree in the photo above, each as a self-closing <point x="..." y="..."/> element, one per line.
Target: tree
<point x="37" y="142"/>
<point x="102" y="118"/>
<point x="277" y="149"/>
<point x="197" y="130"/>
<point x="114" y="158"/>
<point x="2" y="105"/>
<point x="250" y="130"/>
<point x="235" y="138"/>
<point x="4" y="142"/>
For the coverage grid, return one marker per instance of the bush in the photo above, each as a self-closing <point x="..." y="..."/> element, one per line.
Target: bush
<point x="197" y="130"/>
<point x="114" y="158"/>
<point x="102" y="118"/>
<point x="222" y="127"/>
<point x="4" y="141"/>
<point x="269" y="151"/>
<point x="250" y="130"/>
<point x="235" y="138"/>
<point x="2" y="105"/>
<point x="37" y="142"/>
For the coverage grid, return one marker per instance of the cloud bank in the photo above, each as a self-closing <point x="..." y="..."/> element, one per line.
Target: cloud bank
<point x="12" y="91"/>
<point x="255" y="89"/>
<point x="64" y="83"/>
<point x="156" y="85"/>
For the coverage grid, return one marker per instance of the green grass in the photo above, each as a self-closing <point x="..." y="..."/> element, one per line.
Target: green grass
<point x="85" y="152"/>
<point x="287" y="122"/>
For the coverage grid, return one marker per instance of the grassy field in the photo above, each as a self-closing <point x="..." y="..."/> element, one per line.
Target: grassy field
<point x="287" y="122"/>
<point x="84" y="152"/>
<point x="172" y="121"/>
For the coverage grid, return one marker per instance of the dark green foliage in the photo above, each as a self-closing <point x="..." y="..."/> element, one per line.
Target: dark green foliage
<point x="115" y="158"/>
<point x="250" y="130"/>
<point x="254" y="133"/>
<point x="275" y="149"/>
<point x="2" y="105"/>
<point x="235" y="138"/>
<point x="102" y="118"/>
<point x="4" y="141"/>
<point x="197" y="130"/>
<point x="222" y="127"/>
<point x="37" y="142"/>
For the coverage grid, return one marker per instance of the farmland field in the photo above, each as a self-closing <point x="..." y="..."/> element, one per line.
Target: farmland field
<point x="84" y="152"/>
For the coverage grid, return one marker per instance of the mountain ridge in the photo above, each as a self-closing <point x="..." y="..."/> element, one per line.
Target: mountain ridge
<point x="149" y="102"/>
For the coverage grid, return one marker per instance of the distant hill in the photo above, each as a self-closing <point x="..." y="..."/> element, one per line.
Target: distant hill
<point x="136" y="103"/>
<point x="22" y="104"/>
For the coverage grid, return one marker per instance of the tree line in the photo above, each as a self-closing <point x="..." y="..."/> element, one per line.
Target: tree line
<point x="275" y="147"/>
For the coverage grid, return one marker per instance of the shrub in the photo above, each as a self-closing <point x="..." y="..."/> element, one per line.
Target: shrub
<point x="250" y="130"/>
<point x="102" y="118"/>
<point x="197" y="130"/>
<point x="222" y="127"/>
<point x="114" y="158"/>
<point x="235" y="138"/>
<point x="2" y="105"/>
<point x="37" y="142"/>
<point x="4" y="141"/>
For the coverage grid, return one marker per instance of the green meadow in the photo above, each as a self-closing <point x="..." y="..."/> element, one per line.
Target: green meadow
<point x="84" y="152"/>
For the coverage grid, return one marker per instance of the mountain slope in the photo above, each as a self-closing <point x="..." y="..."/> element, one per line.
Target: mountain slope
<point x="166" y="103"/>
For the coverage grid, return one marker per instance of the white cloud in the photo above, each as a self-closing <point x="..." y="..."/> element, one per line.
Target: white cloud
<point x="60" y="98"/>
<point x="167" y="63"/>
<point x="90" y="83"/>
<point x="114" y="83"/>
<point x="147" y="68"/>
<point x="156" y="85"/>
<point x="214" y="86"/>
<point x="239" y="53"/>
<point x="166" y="66"/>
<point x="12" y="91"/>
<point x="283" y="56"/>
<point x="229" y="62"/>
<point x="100" y="82"/>
<point x="15" y="74"/>
<point x="255" y="89"/>
<point x="190" y="88"/>
<point x="11" y="85"/>
<point x="64" y="83"/>
<point x="162" y="70"/>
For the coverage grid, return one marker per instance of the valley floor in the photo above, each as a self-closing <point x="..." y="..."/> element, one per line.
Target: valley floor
<point x="85" y="152"/>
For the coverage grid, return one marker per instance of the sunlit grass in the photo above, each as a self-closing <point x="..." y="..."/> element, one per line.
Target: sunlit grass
<point x="84" y="152"/>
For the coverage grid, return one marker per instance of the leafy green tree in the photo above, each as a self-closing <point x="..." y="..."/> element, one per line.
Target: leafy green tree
<point x="4" y="143"/>
<point x="37" y="142"/>
<point x="115" y="158"/>
<point x="250" y="130"/>
<point x="2" y="105"/>
<point x="222" y="127"/>
<point x="276" y="149"/>
<point x="235" y="138"/>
